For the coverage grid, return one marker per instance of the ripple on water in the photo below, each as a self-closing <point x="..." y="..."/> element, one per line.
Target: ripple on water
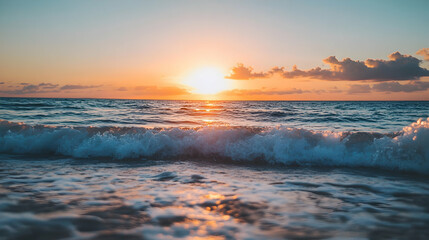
<point x="196" y="200"/>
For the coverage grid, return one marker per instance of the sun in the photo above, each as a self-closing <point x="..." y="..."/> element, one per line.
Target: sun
<point x="208" y="80"/>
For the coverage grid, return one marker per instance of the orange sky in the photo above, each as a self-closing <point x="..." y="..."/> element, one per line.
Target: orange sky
<point x="170" y="50"/>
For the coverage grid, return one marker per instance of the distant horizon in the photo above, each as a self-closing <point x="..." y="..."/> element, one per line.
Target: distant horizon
<point x="220" y="100"/>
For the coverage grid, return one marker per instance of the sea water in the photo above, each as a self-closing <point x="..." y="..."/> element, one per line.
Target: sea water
<point x="147" y="169"/>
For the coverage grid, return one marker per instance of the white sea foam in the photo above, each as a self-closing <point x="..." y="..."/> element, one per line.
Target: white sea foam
<point x="406" y="150"/>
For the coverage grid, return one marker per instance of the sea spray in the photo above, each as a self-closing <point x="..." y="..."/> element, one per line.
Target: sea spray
<point x="406" y="150"/>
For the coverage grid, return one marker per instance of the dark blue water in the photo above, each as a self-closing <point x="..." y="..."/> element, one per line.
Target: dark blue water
<point x="335" y="116"/>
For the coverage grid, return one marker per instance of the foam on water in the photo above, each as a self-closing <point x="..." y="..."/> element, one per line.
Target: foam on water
<point x="73" y="200"/>
<point x="406" y="150"/>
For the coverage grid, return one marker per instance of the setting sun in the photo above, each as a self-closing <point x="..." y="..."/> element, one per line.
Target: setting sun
<point x="207" y="80"/>
<point x="224" y="119"/>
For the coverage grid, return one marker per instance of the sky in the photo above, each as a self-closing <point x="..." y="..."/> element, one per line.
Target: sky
<point x="225" y="50"/>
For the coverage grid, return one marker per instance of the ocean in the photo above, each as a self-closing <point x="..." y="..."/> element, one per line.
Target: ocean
<point x="158" y="169"/>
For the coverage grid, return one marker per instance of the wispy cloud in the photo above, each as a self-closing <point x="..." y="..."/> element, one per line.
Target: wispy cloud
<point x="397" y="87"/>
<point x="26" y="88"/>
<point x="252" y="92"/>
<point x="48" y="85"/>
<point x="424" y="52"/>
<point x="74" y="87"/>
<point x="359" y="88"/>
<point x="122" y="89"/>
<point x="398" y="67"/>
<point x="413" y="86"/>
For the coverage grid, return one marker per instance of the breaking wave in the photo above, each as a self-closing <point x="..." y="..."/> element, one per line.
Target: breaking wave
<point x="406" y="150"/>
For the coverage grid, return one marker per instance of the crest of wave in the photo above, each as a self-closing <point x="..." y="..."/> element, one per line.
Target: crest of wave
<point x="406" y="150"/>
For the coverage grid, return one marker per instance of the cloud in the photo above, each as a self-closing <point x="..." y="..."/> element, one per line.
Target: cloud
<point x="252" y="92"/>
<point x="322" y="91"/>
<point x="424" y="52"/>
<point x="240" y="72"/>
<point x="312" y="73"/>
<point x="397" y="87"/>
<point x="33" y="88"/>
<point x="73" y="87"/>
<point x="26" y="88"/>
<point x="122" y="89"/>
<point x="359" y="88"/>
<point x="161" y="91"/>
<point x="399" y="67"/>
<point x="48" y="85"/>
<point x="30" y="88"/>
<point x="413" y="86"/>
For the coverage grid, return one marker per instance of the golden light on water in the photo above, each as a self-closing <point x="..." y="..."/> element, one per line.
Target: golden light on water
<point x="208" y="80"/>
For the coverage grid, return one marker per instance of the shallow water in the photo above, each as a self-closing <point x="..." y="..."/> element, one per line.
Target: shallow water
<point x="72" y="199"/>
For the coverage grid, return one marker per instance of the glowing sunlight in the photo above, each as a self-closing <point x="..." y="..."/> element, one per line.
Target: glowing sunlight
<point x="214" y="120"/>
<point x="207" y="80"/>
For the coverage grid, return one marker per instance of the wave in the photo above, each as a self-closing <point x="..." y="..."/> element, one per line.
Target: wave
<point x="406" y="150"/>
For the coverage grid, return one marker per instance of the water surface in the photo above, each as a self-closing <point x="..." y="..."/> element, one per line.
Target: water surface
<point x="144" y="169"/>
<point x="334" y="116"/>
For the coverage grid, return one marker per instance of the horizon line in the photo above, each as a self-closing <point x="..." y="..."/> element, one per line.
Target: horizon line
<point x="229" y="100"/>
